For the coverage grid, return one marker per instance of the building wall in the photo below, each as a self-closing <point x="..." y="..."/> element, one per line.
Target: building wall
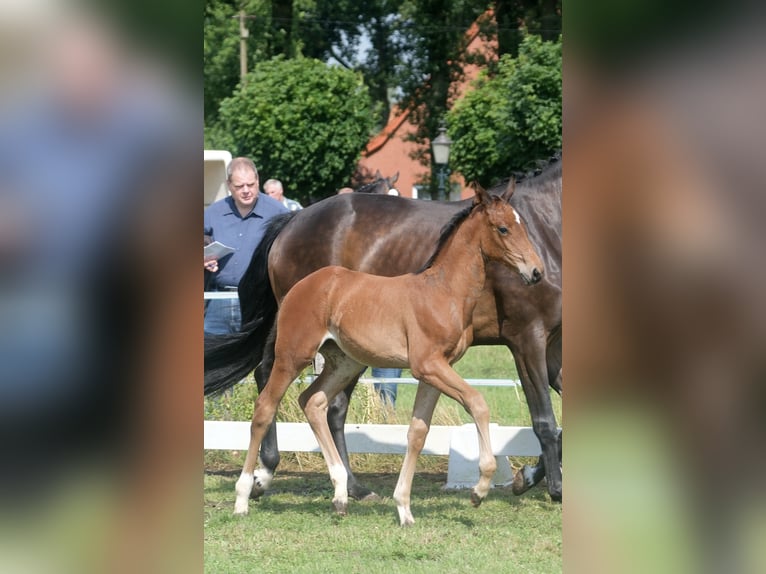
<point x="388" y="151"/>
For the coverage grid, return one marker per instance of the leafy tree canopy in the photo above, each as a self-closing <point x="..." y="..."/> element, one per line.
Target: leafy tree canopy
<point x="512" y="120"/>
<point x="302" y="121"/>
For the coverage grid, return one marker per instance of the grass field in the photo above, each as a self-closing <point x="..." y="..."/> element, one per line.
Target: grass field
<point x="293" y="528"/>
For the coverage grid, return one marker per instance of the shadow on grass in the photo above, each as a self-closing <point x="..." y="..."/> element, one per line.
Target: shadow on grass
<point x="310" y="494"/>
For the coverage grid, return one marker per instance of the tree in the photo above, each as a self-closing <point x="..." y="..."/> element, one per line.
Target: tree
<point x="510" y="121"/>
<point x="220" y="55"/>
<point x="303" y="122"/>
<point x="413" y="48"/>
<point x="434" y="59"/>
<point x="514" y="18"/>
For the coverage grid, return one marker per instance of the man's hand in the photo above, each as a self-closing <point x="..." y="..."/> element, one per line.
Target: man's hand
<point x="211" y="264"/>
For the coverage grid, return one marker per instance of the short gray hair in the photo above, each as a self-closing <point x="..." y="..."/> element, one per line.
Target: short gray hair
<point x="240" y="163"/>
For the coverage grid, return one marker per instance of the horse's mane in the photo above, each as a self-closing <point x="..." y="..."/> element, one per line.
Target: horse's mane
<point x="369" y="187"/>
<point x="546" y="171"/>
<point x="446" y="232"/>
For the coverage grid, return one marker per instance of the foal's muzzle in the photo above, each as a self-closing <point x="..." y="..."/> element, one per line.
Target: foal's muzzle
<point x="530" y="278"/>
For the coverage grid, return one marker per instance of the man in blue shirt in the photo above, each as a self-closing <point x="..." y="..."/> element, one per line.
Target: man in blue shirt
<point x="238" y="221"/>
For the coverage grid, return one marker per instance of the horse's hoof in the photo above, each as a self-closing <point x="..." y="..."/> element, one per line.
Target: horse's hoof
<point x="341" y="508"/>
<point x="476" y="499"/>
<point x="256" y="493"/>
<point x="371" y="497"/>
<point x="361" y="493"/>
<point x="519" y="485"/>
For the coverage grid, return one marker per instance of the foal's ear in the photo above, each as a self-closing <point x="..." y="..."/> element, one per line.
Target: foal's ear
<point x="509" y="190"/>
<point x="481" y="194"/>
<point x="393" y="179"/>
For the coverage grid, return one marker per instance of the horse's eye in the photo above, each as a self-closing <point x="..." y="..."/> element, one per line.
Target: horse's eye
<point x="502" y="230"/>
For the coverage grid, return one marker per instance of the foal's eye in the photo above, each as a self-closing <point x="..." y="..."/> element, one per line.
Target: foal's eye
<point x="502" y="230"/>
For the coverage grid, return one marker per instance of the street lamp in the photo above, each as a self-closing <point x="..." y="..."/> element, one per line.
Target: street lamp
<point x="440" y="146"/>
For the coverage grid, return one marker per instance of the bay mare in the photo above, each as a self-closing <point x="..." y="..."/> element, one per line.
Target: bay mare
<point x="419" y="320"/>
<point x="389" y="236"/>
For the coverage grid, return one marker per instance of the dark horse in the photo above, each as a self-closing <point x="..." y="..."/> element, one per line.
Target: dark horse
<point x="388" y="235"/>
<point x="357" y="319"/>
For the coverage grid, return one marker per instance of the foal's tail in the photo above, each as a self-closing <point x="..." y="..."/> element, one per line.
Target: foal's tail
<point x="229" y="358"/>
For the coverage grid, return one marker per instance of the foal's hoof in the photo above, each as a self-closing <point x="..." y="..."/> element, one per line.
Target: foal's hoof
<point x="476" y="499"/>
<point x="341" y="508"/>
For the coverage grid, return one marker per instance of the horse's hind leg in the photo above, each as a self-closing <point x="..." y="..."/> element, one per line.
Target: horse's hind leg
<point x="269" y="452"/>
<point x="336" y="420"/>
<point x="339" y="370"/>
<point x="292" y="356"/>
<point x="422" y="412"/>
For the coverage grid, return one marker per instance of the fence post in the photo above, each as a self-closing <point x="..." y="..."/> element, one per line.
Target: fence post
<point x="463" y="465"/>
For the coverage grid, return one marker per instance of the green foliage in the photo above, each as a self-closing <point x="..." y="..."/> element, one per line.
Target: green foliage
<point x="510" y="121"/>
<point x="301" y="121"/>
<point x="411" y="50"/>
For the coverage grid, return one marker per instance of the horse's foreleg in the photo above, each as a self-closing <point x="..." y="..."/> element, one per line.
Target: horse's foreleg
<point x="336" y="420"/>
<point x="533" y="374"/>
<point x="531" y="475"/>
<point x="425" y="402"/>
<point x="442" y="376"/>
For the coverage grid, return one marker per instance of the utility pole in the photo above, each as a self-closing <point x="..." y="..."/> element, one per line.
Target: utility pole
<point x="243" y="35"/>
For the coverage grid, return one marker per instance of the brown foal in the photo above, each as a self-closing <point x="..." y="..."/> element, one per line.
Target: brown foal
<point x="421" y="320"/>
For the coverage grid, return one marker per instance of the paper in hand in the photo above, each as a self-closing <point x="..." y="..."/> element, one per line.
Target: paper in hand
<point x="218" y="250"/>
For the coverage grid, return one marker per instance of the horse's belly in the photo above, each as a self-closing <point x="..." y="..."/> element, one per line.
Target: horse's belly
<point x="376" y="348"/>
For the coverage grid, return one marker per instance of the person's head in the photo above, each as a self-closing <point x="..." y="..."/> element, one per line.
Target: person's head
<point x="273" y="188"/>
<point x="242" y="180"/>
<point x="345" y="190"/>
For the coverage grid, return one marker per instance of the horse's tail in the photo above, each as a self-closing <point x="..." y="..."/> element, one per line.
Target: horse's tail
<point x="229" y="358"/>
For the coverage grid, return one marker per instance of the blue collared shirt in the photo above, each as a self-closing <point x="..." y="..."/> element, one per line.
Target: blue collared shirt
<point x="224" y="223"/>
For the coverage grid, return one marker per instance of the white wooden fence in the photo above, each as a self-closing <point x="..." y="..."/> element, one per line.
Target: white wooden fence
<point x="460" y="443"/>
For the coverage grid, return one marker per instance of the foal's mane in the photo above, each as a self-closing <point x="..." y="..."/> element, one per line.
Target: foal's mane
<point x="445" y="233"/>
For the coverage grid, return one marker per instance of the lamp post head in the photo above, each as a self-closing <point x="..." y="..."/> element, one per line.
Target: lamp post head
<point x="440" y="146"/>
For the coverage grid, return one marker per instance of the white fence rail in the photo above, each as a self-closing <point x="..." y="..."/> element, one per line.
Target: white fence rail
<point x="459" y="443"/>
